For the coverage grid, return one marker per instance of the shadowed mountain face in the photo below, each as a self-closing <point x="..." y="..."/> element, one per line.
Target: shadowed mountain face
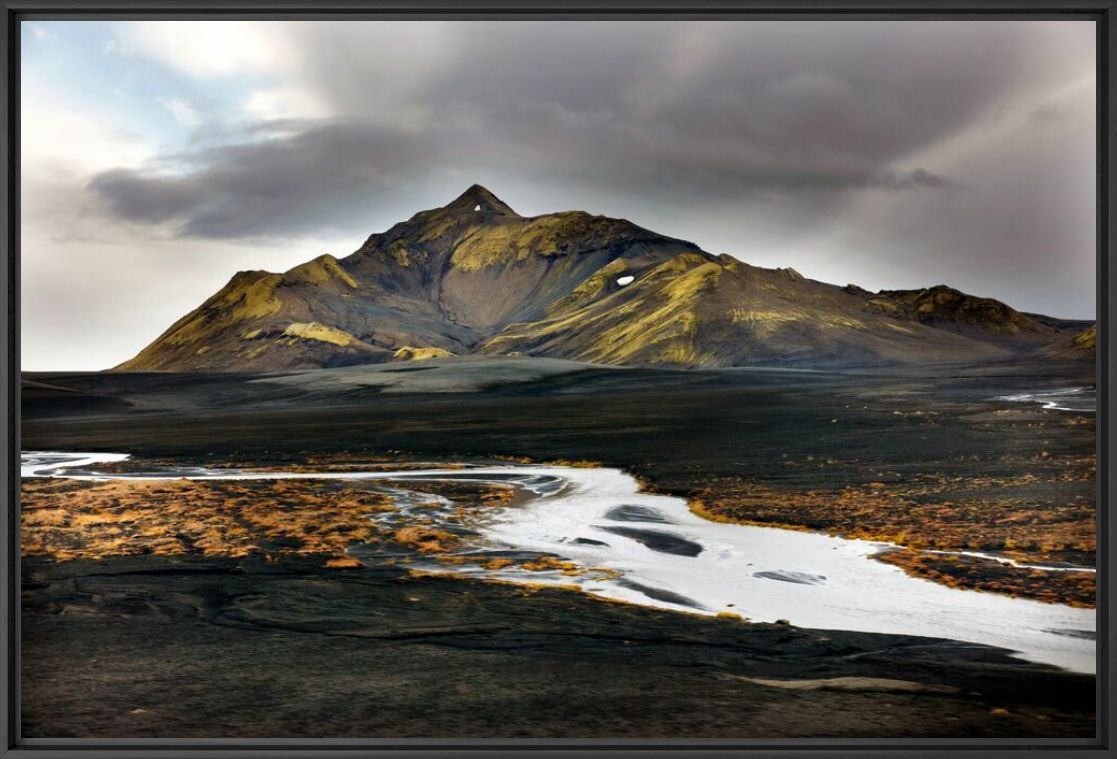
<point x="476" y="277"/>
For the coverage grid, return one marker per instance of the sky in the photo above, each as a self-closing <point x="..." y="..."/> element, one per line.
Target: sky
<point x="160" y="157"/>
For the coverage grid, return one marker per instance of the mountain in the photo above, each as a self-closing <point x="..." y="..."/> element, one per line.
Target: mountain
<point x="476" y="277"/>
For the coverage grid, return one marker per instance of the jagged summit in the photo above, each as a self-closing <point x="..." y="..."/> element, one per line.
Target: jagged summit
<point x="474" y="276"/>
<point x="478" y="199"/>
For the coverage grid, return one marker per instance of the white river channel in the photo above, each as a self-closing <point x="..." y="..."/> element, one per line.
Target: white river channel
<point x="667" y="557"/>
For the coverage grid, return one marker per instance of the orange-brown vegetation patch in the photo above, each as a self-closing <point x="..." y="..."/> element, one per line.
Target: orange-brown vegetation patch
<point x="426" y="539"/>
<point x="926" y="512"/>
<point x="552" y="564"/>
<point x="1037" y="517"/>
<point x="342" y="562"/>
<point x="497" y="495"/>
<point x="69" y="519"/>
<point x="66" y="519"/>
<point x="1074" y="588"/>
<point x="466" y="495"/>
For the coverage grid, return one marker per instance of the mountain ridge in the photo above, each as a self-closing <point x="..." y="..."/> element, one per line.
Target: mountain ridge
<point x="474" y="276"/>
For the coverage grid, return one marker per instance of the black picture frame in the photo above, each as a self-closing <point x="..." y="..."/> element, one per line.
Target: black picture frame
<point x="1101" y="11"/>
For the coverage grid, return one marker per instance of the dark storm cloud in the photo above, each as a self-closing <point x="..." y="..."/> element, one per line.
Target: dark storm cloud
<point x="719" y="111"/>
<point x="319" y="177"/>
<point x="271" y="188"/>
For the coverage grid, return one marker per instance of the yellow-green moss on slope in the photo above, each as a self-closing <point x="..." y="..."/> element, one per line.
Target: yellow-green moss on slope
<point x="254" y="299"/>
<point x="1087" y="340"/>
<point x="593" y="286"/>
<point x="762" y="323"/>
<point x="516" y="239"/>
<point x="320" y="270"/>
<point x="248" y="295"/>
<point x="485" y="247"/>
<point x="407" y="353"/>
<point x="664" y="327"/>
<point x="653" y="320"/>
<point x="320" y="332"/>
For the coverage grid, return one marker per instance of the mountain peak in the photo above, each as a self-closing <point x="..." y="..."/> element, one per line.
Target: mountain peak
<point x="479" y="199"/>
<point x="475" y="277"/>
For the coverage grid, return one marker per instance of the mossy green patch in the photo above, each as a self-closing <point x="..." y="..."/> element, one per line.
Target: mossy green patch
<point x="1088" y="339"/>
<point x="321" y="270"/>
<point x="593" y="286"/>
<point x="320" y="332"/>
<point x="407" y="353"/>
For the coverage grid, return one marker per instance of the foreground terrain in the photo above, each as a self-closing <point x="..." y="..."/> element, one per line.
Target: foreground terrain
<point x="153" y="646"/>
<point x="931" y="461"/>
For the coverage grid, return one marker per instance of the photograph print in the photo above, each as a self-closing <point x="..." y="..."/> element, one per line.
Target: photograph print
<point x="632" y="380"/>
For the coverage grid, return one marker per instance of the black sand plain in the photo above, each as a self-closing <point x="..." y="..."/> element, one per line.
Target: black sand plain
<point x="192" y="646"/>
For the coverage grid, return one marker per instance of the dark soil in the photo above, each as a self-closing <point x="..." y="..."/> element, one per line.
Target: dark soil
<point x="161" y="646"/>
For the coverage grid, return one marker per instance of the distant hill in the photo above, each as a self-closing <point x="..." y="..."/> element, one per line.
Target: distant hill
<point x="1087" y="340"/>
<point x="476" y="277"/>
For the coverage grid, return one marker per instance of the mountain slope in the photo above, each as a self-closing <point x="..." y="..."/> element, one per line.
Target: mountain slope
<point x="698" y="312"/>
<point x="475" y="276"/>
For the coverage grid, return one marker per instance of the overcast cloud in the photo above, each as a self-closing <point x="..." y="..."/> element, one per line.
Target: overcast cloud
<point x="890" y="154"/>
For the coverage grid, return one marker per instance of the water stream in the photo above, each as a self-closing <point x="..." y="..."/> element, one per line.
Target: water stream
<point x="656" y="552"/>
